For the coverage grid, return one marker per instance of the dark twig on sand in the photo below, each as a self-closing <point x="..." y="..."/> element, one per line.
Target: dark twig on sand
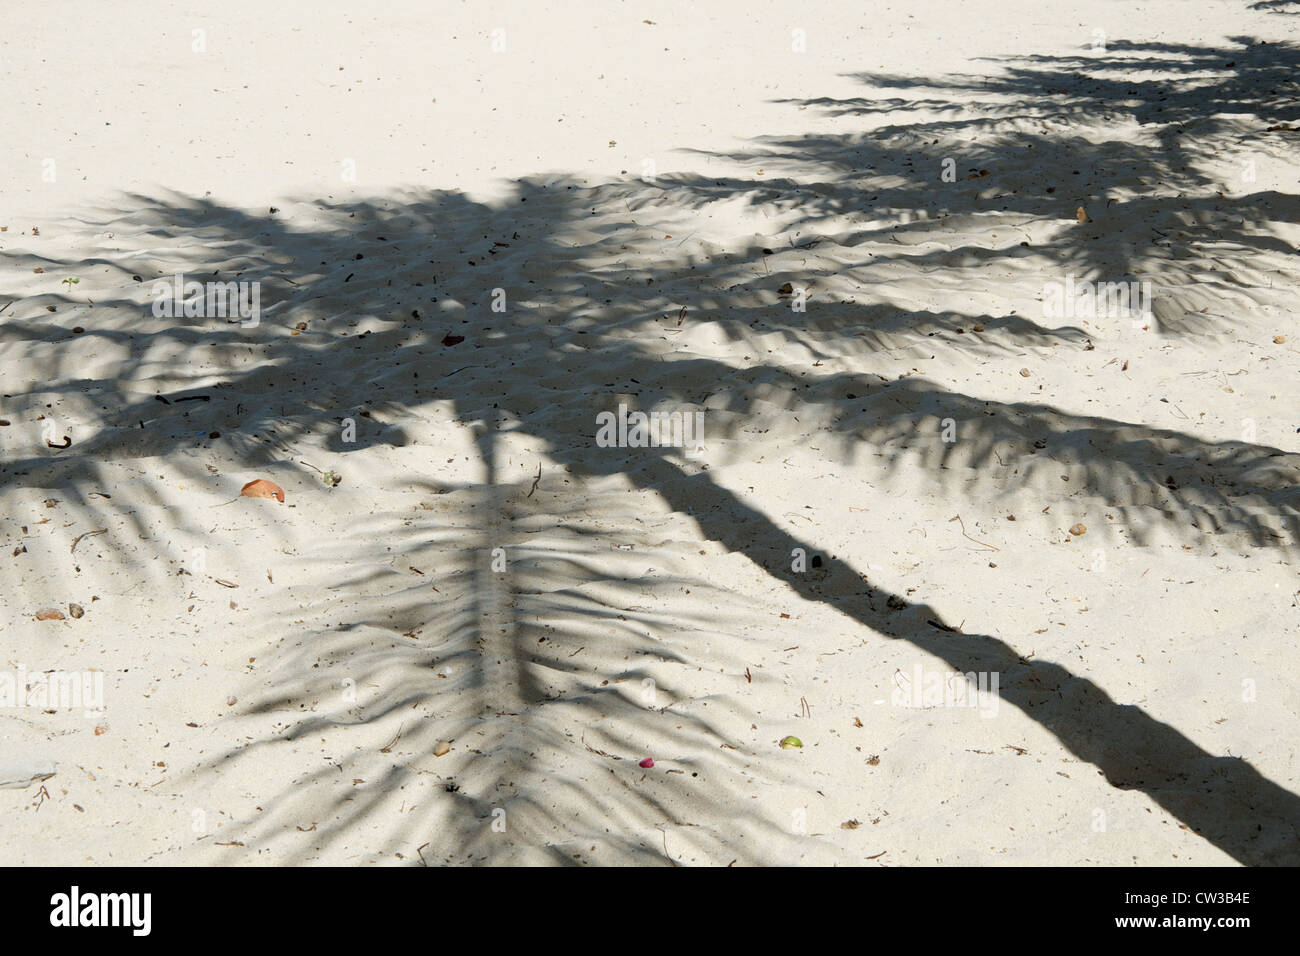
<point x="85" y="534"/>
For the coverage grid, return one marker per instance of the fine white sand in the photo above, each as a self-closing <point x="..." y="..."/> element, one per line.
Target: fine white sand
<point x="489" y="239"/>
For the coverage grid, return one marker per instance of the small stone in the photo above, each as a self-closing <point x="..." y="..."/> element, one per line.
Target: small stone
<point x="1025" y="373"/>
<point x="1279" y="340"/>
<point x="1078" y="529"/>
<point x="49" y="614"/>
<point x="441" y="748"/>
<point x="76" y="610"/>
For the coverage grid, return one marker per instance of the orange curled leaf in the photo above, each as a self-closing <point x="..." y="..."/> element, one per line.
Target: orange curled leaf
<point x="261" y="488"/>
<point x="49" y="614"/>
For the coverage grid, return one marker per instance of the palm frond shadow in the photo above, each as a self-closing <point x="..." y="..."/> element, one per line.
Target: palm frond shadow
<point x="1284" y="7"/>
<point x="531" y="644"/>
<point x="535" y="714"/>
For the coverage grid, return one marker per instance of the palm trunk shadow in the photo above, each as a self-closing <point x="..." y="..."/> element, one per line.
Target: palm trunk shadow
<point x="1223" y="799"/>
<point x="507" y="691"/>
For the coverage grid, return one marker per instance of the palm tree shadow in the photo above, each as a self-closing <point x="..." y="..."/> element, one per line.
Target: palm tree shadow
<point x="1223" y="799"/>
<point x="529" y="662"/>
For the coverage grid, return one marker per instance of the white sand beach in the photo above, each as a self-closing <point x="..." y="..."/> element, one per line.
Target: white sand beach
<point x="1009" y="551"/>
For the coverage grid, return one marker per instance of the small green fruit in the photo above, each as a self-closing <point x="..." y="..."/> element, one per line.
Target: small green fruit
<point x="788" y="742"/>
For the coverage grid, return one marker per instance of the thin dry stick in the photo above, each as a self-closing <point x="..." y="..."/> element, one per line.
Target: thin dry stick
<point x="389" y="746"/>
<point x="957" y="518"/>
<point x="666" y="853"/>
<point x="87" y="534"/>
